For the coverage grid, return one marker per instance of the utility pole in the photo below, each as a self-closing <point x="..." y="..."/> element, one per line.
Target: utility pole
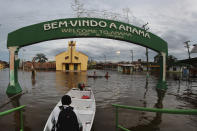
<point x="132" y="55"/>
<point x="147" y="60"/>
<point x="126" y="10"/>
<point x="187" y="46"/>
<point x="105" y="61"/>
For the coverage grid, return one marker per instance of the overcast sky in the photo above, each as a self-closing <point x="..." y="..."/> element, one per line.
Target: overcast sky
<point x="173" y="20"/>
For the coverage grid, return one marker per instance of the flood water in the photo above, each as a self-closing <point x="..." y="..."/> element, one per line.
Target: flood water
<point x="43" y="93"/>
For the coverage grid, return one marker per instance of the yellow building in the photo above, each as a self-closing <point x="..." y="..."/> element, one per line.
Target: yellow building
<point x="2" y="64"/>
<point x="71" y="60"/>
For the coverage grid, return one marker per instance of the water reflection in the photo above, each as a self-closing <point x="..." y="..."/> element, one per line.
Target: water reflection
<point x="70" y="79"/>
<point x="33" y="79"/>
<point x="15" y="101"/>
<point x="144" y="101"/>
<point x="119" y="88"/>
<point x="153" y="125"/>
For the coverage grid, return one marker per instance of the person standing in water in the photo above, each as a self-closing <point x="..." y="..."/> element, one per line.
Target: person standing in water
<point x="106" y="75"/>
<point x="94" y="73"/>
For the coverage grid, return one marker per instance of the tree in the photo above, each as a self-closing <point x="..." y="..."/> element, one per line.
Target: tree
<point x="170" y="59"/>
<point x="156" y="58"/>
<point x="40" y="57"/>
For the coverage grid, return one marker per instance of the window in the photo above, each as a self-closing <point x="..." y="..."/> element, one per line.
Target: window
<point x="76" y="57"/>
<point x="174" y="68"/>
<point x="66" y="57"/>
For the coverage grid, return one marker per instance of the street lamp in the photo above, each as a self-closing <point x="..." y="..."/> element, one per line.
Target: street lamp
<point x="117" y="52"/>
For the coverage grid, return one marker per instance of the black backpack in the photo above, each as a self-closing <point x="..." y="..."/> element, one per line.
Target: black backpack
<point x="67" y="120"/>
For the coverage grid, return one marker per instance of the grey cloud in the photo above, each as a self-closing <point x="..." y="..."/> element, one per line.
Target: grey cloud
<point x="176" y="44"/>
<point x="4" y="55"/>
<point x="167" y="19"/>
<point x="174" y="39"/>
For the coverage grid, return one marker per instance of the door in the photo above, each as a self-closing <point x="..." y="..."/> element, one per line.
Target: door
<point x="67" y="66"/>
<point x="75" y="67"/>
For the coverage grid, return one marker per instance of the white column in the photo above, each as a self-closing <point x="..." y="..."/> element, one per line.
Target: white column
<point x="12" y="60"/>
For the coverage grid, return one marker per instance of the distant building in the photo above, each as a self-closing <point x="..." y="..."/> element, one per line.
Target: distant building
<point x="175" y="68"/>
<point x="126" y="68"/>
<point x="28" y="65"/>
<point x="190" y="64"/>
<point x="151" y="67"/>
<point x="138" y="65"/>
<point x="3" y="64"/>
<point x="71" y="60"/>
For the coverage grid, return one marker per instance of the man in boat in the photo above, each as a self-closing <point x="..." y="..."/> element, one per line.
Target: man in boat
<point x="64" y="118"/>
<point x="81" y="86"/>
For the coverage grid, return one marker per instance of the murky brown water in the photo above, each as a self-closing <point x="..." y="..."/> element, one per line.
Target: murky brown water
<point x="46" y="90"/>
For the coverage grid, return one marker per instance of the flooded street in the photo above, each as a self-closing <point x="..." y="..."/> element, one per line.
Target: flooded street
<point x="43" y="93"/>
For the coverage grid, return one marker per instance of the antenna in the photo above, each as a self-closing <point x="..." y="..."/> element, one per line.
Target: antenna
<point x="144" y="27"/>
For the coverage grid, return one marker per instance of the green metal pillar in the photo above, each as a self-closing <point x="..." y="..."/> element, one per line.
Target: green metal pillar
<point x="14" y="86"/>
<point x="162" y="79"/>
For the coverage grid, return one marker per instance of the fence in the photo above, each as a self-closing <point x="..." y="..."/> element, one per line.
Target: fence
<point x="168" y="111"/>
<point x="13" y="110"/>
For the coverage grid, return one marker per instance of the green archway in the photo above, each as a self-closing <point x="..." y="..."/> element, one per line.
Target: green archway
<point x="76" y="28"/>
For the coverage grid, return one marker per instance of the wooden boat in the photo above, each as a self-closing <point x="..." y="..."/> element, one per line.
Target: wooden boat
<point x="84" y="107"/>
<point x="89" y="76"/>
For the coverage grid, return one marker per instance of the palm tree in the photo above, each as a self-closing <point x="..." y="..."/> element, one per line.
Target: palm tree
<point x="40" y="57"/>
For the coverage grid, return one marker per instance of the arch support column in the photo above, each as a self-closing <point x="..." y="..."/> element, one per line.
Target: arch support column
<point x="14" y="86"/>
<point x="163" y="66"/>
<point x="162" y="79"/>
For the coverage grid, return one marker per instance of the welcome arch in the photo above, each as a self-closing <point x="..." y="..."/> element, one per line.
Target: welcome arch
<point x="76" y="28"/>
